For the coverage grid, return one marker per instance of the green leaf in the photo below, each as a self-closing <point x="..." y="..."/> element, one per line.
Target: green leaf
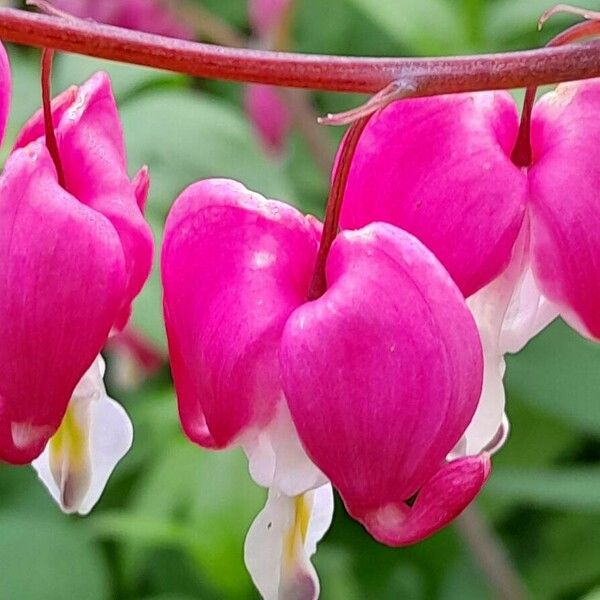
<point x="423" y="26"/>
<point x="570" y="488"/>
<point x="26" y="94"/>
<point x="566" y="560"/>
<point x="333" y="564"/>
<point x="126" y="80"/>
<point x="532" y="427"/>
<point x="184" y="136"/>
<point x="464" y="581"/>
<point x="147" y="309"/>
<point x="49" y="560"/>
<point x="214" y="495"/>
<point x="509" y="20"/>
<point x="559" y="373"/>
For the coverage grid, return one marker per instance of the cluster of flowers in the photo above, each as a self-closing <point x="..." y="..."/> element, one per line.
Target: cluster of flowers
<point x="387" y="387"/>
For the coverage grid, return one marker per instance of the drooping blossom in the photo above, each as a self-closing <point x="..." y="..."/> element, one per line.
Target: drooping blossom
<point x="376" y="380"/>
<point x="522" y="242"/>
<point x="73" y="260"/>
<point x="151" y="16"/>
<point x="268" y="113"/>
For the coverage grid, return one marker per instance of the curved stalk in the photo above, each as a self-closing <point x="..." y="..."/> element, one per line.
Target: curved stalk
<point x="334" y="73"/>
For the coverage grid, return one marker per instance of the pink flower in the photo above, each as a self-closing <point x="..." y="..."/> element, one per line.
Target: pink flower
<point x="269" y="116"/>
<point x="264" y="106"/>
<point x="376" y="380"/>
<point x="151" y="16"/>
<point x="522" y="243"/>
<point x="73" y="260"/>
<point x="5" y="90"/>
<point x="266" y="16"/>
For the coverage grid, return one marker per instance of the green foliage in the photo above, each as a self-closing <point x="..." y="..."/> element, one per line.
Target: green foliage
<point x="172" y="521"/>
<point x="58" y="560"/>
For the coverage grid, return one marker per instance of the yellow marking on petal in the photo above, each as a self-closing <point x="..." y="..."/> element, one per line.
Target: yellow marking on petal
<point x="69" y="443"/>
<point x="296" y="534"/>
<point x="69" y="460"/>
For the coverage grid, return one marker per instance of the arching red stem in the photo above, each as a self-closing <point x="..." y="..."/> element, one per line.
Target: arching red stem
<point x="51" y="143"/>
<point x="431" y="76"/>
<point x="318" y="285"/>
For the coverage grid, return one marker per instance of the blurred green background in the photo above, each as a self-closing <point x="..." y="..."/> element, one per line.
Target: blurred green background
<point x="172" y="522"/>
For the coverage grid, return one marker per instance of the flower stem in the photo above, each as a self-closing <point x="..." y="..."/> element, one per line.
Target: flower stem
<point x="318" y="284"/>
<point x="489" y="552"/>
<point x="522" y="154"/>
<point x="334" y="73"/>
<point x="51" y="143"/>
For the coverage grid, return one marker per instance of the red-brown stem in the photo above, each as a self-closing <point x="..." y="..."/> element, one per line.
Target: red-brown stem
<point x="522" y="154"/>
<point x="318" y="284"/>
<point x="51" y="143"/>
<point x="335" y="73"/>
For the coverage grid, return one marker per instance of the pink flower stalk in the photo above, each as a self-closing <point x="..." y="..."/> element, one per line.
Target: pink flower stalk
<point x="73" y="260"/>
<point x="521" y="242"/>
<point x="376" y="380"/>
<point x="264" y="106"/>
<point x="151" y="16"/>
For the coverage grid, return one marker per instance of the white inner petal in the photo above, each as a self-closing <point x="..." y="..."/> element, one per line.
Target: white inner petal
<point x="276" y="457"/>
<point x="509" y="312"/>
<point x="93" y="437"/>
<point x="281" y="541"/>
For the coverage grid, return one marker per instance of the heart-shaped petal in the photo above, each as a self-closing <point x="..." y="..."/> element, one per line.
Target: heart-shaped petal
<point x="383" y="373"/>
<point x="565" y="195"/>
<point x="234" y="267"/>
<point x="64" y="277"/>
<point x="440" y="169"/>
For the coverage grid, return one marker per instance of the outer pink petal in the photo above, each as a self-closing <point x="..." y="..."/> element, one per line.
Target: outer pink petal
<point x="92" y="151"/>
<point x="440" y="501"/>
<point x="62" y="274"/>
<point x="565" y="202"/>
<point x="440" y="168"/>
<point x="234" y="266"/>
<point x="5" y="90"/>
<point x="269" y="115"/>
<point x="383" y="373"/>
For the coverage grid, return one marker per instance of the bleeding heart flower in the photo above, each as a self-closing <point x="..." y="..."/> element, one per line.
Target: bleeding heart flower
<point x="264" y="106"/>
<point x="73" y="260"/>
<point x="269" y="116"/>
<point x="151" y="16"/>
<point x="376" y="380"/>
<point x="521" y="242"/>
